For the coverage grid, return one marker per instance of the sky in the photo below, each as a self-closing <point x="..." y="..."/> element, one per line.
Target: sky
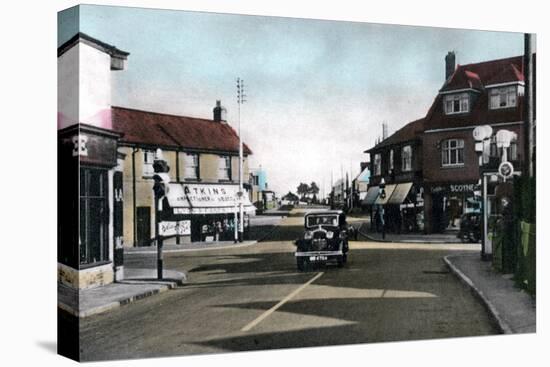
<point x="317" y="91"/>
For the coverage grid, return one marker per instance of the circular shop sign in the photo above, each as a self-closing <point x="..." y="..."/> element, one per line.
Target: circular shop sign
<point x="506" y="169"/>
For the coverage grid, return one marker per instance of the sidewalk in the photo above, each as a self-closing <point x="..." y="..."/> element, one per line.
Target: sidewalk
<point x="137" y="284"/>
<point x="513" y="310"/>
<point x="448" y="237"/>
<point x="193" y="246"/>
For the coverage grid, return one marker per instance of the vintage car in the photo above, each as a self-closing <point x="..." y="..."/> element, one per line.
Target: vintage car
<point x="325" y="239"/>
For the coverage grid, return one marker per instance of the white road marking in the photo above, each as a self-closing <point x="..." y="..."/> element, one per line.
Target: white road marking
<point x="282" y="302"/>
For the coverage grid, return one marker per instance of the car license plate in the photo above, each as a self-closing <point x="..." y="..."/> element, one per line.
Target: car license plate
<point x="317" y="258"/>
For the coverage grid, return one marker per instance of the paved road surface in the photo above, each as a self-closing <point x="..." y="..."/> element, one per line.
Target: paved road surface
<point x="253" y="298"/>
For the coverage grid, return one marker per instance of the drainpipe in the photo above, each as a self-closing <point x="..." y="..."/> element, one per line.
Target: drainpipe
<point x="528" y="97"/>
<point x="134" y="151"/>
<point x="177" y="180"/>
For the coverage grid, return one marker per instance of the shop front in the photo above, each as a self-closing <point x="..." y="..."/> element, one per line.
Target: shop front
<point x="448" y="202"/>
<point x="206" y="212"/>
<point x="407" y="206"/>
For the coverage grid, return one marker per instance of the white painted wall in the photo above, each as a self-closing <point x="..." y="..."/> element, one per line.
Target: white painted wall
<point x="67" y="88"/>
<point x="84" y="87"/>
<point x="95" y="87"/>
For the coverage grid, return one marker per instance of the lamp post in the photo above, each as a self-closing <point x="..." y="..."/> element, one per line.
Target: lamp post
<point x="482" y="136"/>
<point x="382" y="189"/>
<point x="241" y="98"/>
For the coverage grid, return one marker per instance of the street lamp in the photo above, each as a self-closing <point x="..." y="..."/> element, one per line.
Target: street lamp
<point x="382" y="188"/>
<point x="482" y="136"/>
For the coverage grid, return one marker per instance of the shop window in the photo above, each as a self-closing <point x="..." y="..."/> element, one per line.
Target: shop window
<point x="456" y="103"/>
<point x="452" y="152"/>
<point x="406" y="158"/>
<point x="502" y="97"/>
<point x="192" y="166"/>
<point x="377" y="164"/>
<point x="224" y="168"/>
<point x="93" y="216"/>
<point x="148" y="159"/>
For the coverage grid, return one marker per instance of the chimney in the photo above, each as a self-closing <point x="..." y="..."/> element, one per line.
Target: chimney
<point x="449" y="64"/>
<point x="219" y="112"/>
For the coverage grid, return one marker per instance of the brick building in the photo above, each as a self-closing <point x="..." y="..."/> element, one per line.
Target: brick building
<point x="485" y="93"/>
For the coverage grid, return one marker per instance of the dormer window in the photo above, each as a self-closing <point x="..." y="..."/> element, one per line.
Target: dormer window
<point x="503" y="97"/>
<point x="456" y="103"/>
<point x="377" y="164"/>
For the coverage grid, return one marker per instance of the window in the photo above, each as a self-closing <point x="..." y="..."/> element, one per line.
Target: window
<point x="391" y="160"/>
<point x="502" y="97"/>
<point x="511" y="151"/>
<point x="377" y="164"/>
<point x="224" y="168"/>
<point x="452" y="152"/>
<point x="406" y="158"/>
<point x="148" y="159"/>
<point x="94" y="216"/>
<point x="456" y="103"/>
<point x="192" y="167"/>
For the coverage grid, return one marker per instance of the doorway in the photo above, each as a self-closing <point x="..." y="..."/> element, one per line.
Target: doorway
<point x="143" y="214"/>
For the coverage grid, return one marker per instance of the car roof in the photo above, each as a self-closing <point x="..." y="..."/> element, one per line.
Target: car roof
<point x="324" y="212"/>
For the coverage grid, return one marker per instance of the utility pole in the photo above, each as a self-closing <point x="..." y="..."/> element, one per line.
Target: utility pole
<point x="241" y="98"/>
<point x="529" y="124"/>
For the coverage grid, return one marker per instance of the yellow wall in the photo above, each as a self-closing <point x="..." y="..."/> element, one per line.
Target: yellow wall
<point x="144" y="186"/>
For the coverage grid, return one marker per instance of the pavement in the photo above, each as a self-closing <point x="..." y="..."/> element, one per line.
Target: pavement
<point x="513" y="310"/>
<point x="138" y="284"/>
<point x="446" y="237"/>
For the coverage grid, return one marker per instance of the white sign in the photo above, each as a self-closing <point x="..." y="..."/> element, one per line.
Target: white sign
<point x="206" y="198"/>
<point x="506" y="169"/>
<point x="462" y="188"/>
<point x="181" y="228"/>
<point x="482" y="132"/>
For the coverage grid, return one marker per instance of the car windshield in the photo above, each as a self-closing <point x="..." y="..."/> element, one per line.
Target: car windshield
<point x="324" y="220"/>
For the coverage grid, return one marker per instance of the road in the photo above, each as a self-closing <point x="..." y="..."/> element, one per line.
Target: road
<point x="253" y="298"/>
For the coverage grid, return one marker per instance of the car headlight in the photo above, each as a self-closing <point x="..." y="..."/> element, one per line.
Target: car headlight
<point x="330" y="234"/>
<point x="308" y="235"/>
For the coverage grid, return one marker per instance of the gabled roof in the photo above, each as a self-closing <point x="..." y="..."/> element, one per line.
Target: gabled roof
<point x="93" y="42"/>
<point x="155" y="129"/>
<point x="408" y="132"/>
<point x="481" y="74"/>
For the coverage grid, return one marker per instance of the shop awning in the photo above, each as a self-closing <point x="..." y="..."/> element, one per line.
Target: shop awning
<point x="371" y="196"/>
<point x="206" y="198"/>
<point x="389" y="191"/>
<point x="400" y="193"/>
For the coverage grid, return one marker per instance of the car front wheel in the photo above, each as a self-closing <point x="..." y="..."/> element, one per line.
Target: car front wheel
<point x="301" y="263"/>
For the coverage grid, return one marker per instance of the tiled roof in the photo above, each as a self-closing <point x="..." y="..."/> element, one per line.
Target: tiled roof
<point x="406" y="133"/>
<point x="485" y="73"/>
<point x="478" y="76"/>
<point x="180" y="132"/>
